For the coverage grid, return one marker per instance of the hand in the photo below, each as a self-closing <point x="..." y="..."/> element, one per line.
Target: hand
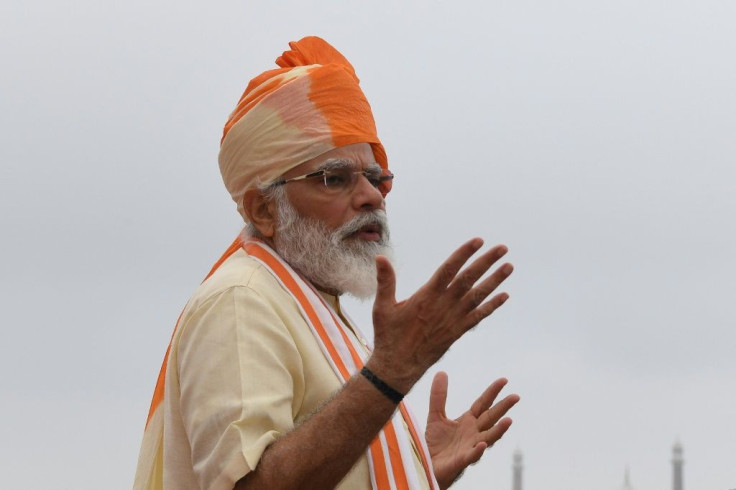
<point x="456" y="444"/>
<point x="411" y="335"/>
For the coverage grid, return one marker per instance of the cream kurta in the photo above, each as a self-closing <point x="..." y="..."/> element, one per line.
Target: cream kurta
<point x="244" y="368"/>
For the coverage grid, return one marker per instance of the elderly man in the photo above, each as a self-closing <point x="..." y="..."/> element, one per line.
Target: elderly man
<point x="267" y="383"/>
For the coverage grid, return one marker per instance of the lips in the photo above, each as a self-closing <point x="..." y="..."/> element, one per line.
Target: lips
<point x="371" y="228"/>
<point x="371" y="232"/>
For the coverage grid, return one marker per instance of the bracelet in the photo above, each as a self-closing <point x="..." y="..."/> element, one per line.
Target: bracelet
<point x="390" y="393"/>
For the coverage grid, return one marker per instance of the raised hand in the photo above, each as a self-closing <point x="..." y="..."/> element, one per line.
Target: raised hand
<point x="455" y="444"/>
<point x="411" y="335"/>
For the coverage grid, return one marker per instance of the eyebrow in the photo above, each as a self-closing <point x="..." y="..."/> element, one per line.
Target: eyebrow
<point x="335" y="163"/>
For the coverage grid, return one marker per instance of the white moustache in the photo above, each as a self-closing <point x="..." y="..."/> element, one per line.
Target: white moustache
<point x="375" y="218"/>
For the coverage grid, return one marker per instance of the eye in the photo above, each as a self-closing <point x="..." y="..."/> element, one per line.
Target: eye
<point x="374" y="177"/>
<point x="337" y="179"/>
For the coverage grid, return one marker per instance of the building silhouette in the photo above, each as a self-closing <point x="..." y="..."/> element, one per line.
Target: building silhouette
<point x="517" y="468"/>
<point x="677" y="463"/>
<point x="627" y="481"/>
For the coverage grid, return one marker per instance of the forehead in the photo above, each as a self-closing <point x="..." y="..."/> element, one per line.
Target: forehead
<point x="360" y="154"/>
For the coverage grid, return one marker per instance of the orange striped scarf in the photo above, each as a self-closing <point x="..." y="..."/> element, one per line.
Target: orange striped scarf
<point x="390" y="454"/>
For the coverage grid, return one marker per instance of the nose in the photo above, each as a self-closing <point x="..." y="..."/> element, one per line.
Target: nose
<point x="366" y="197"/>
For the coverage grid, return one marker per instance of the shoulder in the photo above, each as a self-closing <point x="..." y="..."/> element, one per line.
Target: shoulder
<point x="242" y="274"/>
<point x="241" y="299"/>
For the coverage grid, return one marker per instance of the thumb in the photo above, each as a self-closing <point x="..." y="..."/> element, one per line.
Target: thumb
<point x="386" y="287"/>
<point x="437" y="398"/>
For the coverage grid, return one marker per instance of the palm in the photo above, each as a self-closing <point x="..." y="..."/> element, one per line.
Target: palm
<point x="455" y="444"/>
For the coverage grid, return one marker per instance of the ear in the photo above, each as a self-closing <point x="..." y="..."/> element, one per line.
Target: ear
<point x="260" y="212"/>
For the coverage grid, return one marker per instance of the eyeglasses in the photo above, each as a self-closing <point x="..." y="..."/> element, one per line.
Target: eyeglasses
<point x="344" y="179"/>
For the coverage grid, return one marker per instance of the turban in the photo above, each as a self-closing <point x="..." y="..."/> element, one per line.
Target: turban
<point x="289" y="115"/>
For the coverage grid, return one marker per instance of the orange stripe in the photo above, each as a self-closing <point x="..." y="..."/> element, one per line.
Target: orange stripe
<point x="395" y="454"/>
<point x="290" y="283"/>
<point x="417" y="444"/>
<point x="158" y="392"/>
<point x="379" y="465"/>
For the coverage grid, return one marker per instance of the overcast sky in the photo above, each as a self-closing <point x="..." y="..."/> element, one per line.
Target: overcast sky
<point x="595" y="138"/>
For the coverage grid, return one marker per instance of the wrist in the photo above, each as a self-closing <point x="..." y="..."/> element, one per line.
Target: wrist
<point x="387" y="390"/>
<point x="389" y="374"/>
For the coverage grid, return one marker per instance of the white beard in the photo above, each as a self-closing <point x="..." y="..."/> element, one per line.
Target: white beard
<point x="333" y="261"/>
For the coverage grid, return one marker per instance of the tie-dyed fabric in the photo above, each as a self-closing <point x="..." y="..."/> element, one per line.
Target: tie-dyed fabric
<point x="289" y="115"/>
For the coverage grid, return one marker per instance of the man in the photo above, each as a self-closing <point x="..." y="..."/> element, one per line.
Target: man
<point x="267" y="383"/>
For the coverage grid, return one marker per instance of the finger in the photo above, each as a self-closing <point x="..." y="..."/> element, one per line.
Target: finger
<point x="493" y="415"/>
<point x="478" y="294"/>
<point x="467" y="278"/>
<point x="485" y="400"/>
<point x="475" y="453"/>
<point x="438" y="397"/>
<point x="450" y="267"/>
<point x="485" y="310"/>
<point x="386" y="279"/>
<point x="492" y="435"/>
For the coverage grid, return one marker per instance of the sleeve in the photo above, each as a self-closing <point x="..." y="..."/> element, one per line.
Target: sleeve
<point x="241" y="380"/>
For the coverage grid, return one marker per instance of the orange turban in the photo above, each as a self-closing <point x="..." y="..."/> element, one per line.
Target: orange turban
<point x="289" y="115"/>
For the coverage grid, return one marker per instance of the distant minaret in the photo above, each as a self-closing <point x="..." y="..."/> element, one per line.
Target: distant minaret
<point x="627" y="481"/>
<point x="516" y="485"/>
<point x="677" y="462"/>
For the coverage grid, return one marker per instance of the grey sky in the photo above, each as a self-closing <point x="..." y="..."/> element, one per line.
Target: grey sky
<point x="594" y="138"/>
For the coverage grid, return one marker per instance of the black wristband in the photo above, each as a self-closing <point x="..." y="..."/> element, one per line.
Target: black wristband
<point x="390" y="393"/>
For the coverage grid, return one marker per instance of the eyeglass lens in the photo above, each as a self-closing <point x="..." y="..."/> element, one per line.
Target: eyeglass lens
<point x="347" y="178"/>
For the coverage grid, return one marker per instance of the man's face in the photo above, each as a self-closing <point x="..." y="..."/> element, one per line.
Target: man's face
<point x="310" y="199"/>
<point x="332" y="236"/>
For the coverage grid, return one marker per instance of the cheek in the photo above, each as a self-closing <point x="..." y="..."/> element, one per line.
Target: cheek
<point x="332" y="212"/>
<point x="333" y="215"/>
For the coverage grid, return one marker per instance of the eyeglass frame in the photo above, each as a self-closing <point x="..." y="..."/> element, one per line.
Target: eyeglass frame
<point x="384" y="175"/>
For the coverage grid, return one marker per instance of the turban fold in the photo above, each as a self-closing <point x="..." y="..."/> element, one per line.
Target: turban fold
<point x="289" y="115"/>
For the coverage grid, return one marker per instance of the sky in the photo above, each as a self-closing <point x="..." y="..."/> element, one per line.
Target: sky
<point x="594" y="138"/>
